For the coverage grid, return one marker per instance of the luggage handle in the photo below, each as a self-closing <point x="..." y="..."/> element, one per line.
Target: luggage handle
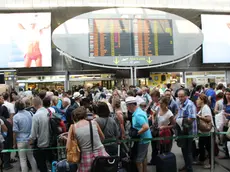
<point x="119" y="149"/>
<point x="111" y="162"/>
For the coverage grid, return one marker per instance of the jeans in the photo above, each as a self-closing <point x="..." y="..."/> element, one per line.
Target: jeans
<point x="42" y="156"/>
<point x="205" y="143"/>
<point x="23" y="155"/>
<point x="187" y="154"/>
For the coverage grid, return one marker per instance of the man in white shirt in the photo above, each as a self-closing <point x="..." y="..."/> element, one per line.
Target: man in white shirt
<point x="9" y="106"/>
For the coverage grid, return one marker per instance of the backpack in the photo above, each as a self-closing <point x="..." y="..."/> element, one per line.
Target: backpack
<point x="57" y="127"/>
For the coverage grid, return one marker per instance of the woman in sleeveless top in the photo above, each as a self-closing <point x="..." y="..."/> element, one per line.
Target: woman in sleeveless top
<point x="116" y="103"/>
<point x="82" y="134"/>
<point x="108" y="126"/>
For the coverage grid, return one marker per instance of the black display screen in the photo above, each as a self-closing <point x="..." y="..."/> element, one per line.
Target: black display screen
<point x="110" y="37"/>
<point x="153" y="37"/>
<point x="130" y="37"/>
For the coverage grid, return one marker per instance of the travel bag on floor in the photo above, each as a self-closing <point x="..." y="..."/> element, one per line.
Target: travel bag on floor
<point x="166" y="162"/>
<point x="63" y="166"/>
<point x="103" y="163"/>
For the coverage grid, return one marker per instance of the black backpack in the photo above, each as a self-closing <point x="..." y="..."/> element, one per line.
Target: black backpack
<point x="57" y="127"/>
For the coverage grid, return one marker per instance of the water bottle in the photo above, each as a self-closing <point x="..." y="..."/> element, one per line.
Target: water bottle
<point x="54" y="168"/>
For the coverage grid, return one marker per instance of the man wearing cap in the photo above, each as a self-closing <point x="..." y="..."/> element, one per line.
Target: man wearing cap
<point x="77" y="97"/>
<point x="140" y="123"/>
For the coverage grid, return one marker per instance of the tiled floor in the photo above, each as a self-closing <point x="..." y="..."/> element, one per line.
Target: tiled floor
<point x="180" y="162"/>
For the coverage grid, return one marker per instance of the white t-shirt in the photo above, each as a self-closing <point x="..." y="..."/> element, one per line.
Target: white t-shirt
<point x="206" y="111"/>
<point x="10" y="107"/>
<point x="1" y="137"/>
<point x="164" y="120"/>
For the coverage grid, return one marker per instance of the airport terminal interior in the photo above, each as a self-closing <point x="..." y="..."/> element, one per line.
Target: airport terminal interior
<point x="115" y="86"/>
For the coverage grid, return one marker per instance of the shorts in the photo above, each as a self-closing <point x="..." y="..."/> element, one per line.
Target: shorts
<point x="33" y="56"/>
<point x="142" y="151"/>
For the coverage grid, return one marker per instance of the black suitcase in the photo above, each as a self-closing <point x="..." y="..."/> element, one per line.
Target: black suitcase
<point x="166" y="162"/>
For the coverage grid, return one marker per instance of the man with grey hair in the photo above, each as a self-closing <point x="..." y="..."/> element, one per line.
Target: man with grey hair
<point x="66" y="103"/>
<point x="147" y="98"/>
<point x="41" y="133"/>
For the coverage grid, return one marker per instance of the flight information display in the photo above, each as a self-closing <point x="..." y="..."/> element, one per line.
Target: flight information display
<point x="130" y="37"/>
<point x="110" y="37"/>
<point x="153" y="37"/>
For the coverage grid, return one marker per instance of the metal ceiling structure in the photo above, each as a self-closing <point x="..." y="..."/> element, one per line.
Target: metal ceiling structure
<point x="62" y="10"/>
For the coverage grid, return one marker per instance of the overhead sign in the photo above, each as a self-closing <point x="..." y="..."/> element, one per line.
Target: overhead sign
<point x="128" y="37"/>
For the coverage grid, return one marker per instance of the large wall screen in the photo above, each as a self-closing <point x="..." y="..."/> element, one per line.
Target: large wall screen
<point x="216" y="45"/>
<point x="25" y="40"/>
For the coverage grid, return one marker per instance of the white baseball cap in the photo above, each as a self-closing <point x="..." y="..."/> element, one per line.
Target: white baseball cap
<point x="130" y="100"/>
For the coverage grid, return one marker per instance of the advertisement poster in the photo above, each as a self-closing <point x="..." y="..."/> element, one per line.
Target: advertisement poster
<point x="216" y="45"/>
<point x="25" y="40"/>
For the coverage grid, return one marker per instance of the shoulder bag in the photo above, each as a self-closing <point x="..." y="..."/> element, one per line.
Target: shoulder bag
<point x="103" y="163"/>
<point x="72" y="148"/>
<point x="203" y="125"/>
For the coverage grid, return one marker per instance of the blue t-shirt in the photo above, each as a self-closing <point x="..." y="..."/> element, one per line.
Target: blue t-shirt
<point x="227" y="110"/>
<point x="211" y="93"/>
<point x="59" y="104"/>
<point x="140" y="118"/>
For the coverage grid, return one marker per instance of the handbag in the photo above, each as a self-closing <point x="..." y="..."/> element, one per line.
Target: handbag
<point x="154" y="128"/>
<point x="105" y="164"/>
<point x="72" y="148"/>
<point x="102" y="163"/>
<point x="204" y="126"/>
<point x="133" y="133"/>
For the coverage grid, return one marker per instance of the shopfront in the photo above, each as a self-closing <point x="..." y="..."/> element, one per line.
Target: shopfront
<point x="202" y="78"/>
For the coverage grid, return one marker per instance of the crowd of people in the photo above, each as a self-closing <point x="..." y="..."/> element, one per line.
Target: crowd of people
<point x="115" y="114"/>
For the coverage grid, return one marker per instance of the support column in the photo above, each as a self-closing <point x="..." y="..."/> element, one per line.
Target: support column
<point x="66" y="83"/>
<point x="135" y="76"/>
<point x="131" y="75"/>
<point x="183" y="79"/>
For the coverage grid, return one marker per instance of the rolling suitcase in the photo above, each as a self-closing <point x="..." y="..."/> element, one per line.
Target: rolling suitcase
<point x="166" y="161"/>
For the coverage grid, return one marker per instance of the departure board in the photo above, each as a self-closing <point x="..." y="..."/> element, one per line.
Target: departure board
<point x="110" y="37"/>
<point x="153" y="37"/>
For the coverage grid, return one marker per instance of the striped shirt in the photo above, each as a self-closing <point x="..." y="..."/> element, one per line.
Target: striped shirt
<point x="188" y="110"/>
